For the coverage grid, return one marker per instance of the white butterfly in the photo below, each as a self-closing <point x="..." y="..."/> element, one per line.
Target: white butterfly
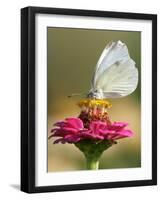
<point x="115" y="74"/>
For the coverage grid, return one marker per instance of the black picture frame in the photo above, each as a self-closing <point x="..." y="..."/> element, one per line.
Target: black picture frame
<point x="28" y="98"/>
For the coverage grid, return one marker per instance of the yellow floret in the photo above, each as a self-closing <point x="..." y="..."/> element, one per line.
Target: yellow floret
<point x="94" y="102"/>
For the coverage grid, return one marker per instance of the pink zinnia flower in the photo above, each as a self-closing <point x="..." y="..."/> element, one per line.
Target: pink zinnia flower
<point x="72" y="130"/>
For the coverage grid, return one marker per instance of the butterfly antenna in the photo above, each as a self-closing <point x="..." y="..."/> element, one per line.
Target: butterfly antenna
<point x="77" y="94"/>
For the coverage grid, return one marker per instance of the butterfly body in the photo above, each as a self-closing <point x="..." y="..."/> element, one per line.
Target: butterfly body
<point x="96" y="94"/>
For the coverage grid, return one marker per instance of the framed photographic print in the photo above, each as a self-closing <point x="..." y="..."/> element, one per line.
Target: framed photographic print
<point x="88" y="99"/>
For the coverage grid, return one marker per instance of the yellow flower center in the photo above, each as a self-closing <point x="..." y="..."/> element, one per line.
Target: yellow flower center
<point x="94" y="109"/>
<point x="91" y="103"/>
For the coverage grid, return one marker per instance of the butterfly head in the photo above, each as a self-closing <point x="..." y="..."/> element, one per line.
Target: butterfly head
<point x="95" y="94"/>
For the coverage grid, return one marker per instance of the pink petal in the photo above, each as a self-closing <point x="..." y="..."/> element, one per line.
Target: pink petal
<point x="120" y="124"/>
<point x="72" y="138"/>
<point x="96" y="126"/>
<point x="90" y="135"/>
<point x="60" y="124"/>
<point x="122" y="134"/>
<point x="54" y="129"/>
<point x="70" y="130"/>
<point x="75" y="123"/>
<point x="126" y="133"/>
<point x="60" y="140"/>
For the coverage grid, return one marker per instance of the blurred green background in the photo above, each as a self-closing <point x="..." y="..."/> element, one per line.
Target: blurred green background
<point x="72" y="56"/>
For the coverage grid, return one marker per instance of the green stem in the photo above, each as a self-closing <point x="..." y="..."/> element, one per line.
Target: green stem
<point x="92" y="164"/>
<point x="92" y="151"/>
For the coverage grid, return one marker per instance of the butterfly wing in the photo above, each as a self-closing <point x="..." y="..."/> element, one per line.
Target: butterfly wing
<point x="116" y="74"/>
<point x="113" y="52"/>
